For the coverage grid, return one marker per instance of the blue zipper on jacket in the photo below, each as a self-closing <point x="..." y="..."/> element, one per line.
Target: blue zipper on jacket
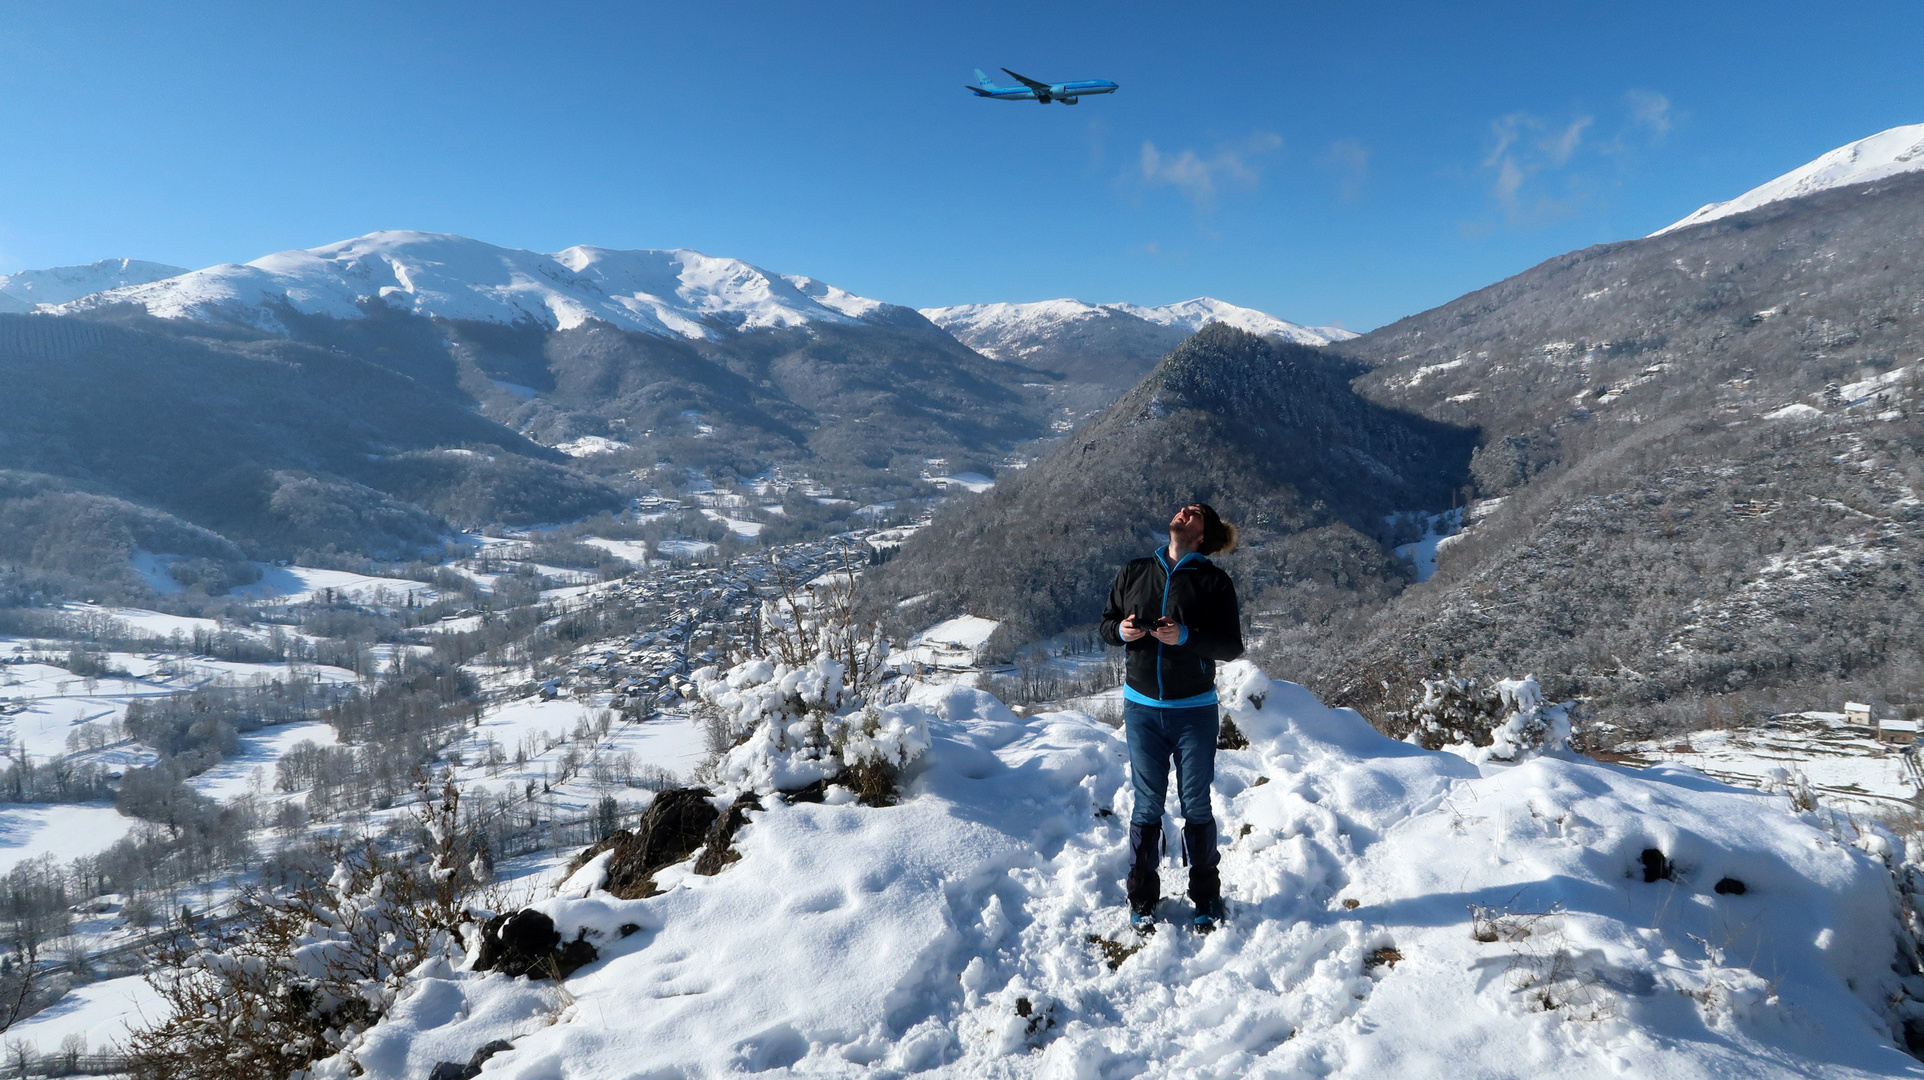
<point x="1168" y="572"/>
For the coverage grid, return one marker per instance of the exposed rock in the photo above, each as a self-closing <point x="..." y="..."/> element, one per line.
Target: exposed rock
<point x="1656" y="867"/>
<point x="1231" y="737"/>
<point x="717" y="851"/>
<point x="674" y="827"/>
<point x="811" y="793"/>
<point x="526" y="943"/>
<point x="449" y="1070"/>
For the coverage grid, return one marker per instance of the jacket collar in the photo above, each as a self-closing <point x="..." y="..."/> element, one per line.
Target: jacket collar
<point x="1162" y="559"/>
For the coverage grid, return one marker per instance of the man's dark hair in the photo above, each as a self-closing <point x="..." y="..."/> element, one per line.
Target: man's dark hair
<point x="1219" y="536"/>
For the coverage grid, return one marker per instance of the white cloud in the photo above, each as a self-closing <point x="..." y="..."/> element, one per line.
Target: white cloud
<point x="1563" y="145"/>
<point x="1350" y="161"/>
<point x="1651" y="112"/>
<point x="1523" y="147"/>
<point x="1202" y="179"/>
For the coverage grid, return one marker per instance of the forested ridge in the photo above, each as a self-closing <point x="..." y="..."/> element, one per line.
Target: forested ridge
<point x="1269" y="433"/>
<point x="1707" y="448"/>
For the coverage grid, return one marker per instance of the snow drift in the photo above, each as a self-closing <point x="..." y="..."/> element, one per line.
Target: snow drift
<point x="1394" y="912"/>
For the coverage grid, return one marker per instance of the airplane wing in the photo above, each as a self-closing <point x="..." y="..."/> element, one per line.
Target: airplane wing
<point x="1026" y="81"/>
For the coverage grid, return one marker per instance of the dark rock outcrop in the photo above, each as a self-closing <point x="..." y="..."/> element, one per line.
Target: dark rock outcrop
<point x="674" y="827"/>
<point x="716" y="851"/>
<point x="526" y="943"/>
<point x="451" y="1070"/>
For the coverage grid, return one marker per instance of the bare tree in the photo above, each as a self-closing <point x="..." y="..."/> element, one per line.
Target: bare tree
<point x="301" y="975"/>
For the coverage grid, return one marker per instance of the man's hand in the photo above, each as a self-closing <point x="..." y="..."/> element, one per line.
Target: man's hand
<point x="1168" y="631"/>
<point x="1131" y="628"/>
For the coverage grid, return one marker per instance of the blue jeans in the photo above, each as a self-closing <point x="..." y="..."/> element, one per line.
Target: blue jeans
<point x="1155" y="736"/>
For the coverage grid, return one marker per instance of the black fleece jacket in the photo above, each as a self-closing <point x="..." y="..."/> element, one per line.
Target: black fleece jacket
<point x="1197" y="594"/>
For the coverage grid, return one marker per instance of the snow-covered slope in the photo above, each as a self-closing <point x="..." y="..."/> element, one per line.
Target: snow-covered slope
<point x="1887" y="153"/>
<point x="675" y="293"/>
<point x="1394" y="912"/>
<point x="1018" y="331"/>
<point x="1191" y="315"/>
<point x="25" y="290"/>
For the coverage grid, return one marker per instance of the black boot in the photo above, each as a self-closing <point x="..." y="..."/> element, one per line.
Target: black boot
<point x="1205" y="883"/>
<point x="1145" y="853"/>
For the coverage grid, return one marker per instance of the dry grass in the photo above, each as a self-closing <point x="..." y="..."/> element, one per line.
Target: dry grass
<point x="1383" y="957"/>
<point x="1114" y="952"/>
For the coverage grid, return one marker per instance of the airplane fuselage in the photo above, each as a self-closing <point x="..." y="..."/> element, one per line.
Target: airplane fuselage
<point x="1065" y="92"/>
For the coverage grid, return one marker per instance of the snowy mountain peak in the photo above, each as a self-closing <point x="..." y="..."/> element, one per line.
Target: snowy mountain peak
<point x="1012" y="331"/>
<point x="1885" y="154"/>
<point x="1193" y="315"/>
<point x="672" y="293"/>
<point x="28" y="289"/>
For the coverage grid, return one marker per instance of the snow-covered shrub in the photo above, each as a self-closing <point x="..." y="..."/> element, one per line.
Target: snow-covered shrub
<point x="1452" y="711"/>
<point x="1532" y="726"/>
<point x="802" y="725"/>
<point x="1793" y="784"/>
<point x="1506" y="721"/>
<point x="815" y="705"/>
<point x="299" y="977"/>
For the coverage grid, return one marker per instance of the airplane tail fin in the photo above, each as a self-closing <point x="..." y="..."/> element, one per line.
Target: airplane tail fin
<point x="983" y="81"/>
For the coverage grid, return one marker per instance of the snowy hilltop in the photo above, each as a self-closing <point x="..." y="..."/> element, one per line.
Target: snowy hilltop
<point x="1394" y="911"/>
<point x="672" y="293"/>
<point x="1018" y="331"/>
<point x="28" y="289"/>
<point x="1885" y="154"/>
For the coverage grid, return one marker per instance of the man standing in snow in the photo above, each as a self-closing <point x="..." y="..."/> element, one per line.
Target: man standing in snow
<point x="1175" y="613"/>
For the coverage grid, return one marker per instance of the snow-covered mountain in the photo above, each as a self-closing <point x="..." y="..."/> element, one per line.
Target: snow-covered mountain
<point x="672" y="293"/>
<point x="1021" y="331"/>
<point x="26" y="290"/>
<point x="1192" y="315"/>
<point x="1885" y="154"/>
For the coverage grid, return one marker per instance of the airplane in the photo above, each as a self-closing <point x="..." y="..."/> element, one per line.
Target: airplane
<point x="1031" y="90"/>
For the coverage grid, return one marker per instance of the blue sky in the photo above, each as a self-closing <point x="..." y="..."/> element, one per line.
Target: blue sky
<point x="1328" y="163"/>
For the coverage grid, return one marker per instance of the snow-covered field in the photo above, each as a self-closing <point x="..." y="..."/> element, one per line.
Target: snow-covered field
<point x="953" y="643"/>
<point x="973" y="482"/>
<point x="685" y="549"/>
<point x="747" y="530"/>
<point x="300" y="584"/>
<point x="634" y="551"/>
<point x="101" y="1012"/>
<point x="252" y="770"/>
<point x="1844" y="763"/>
<point x="285" y="584"/>
<point x="66" y="831"/>
<point x="1394" y="912"/>
<point x="49" y="703"/>
<point x="138" y="622"/>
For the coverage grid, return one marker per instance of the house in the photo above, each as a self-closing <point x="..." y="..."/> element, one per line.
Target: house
<point x="1901" y="732"/>
<point x="1856" y="712"/>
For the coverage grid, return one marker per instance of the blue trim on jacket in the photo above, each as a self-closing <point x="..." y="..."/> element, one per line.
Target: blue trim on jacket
<point x="1131" y="694"/>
